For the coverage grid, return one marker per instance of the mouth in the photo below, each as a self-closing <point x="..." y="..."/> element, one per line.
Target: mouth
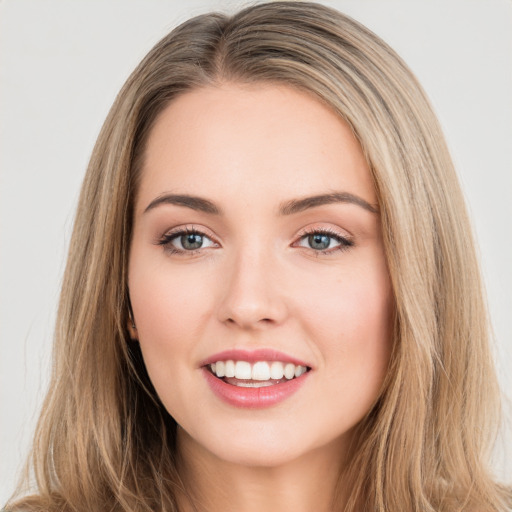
<point x="258" y="374"/>
<point x="255" y="379"/>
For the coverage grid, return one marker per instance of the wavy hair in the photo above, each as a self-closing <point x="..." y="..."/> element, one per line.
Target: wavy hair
<point x="105" y="442"/>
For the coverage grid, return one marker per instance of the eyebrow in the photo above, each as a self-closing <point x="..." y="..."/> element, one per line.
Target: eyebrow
<point x="193" y="202"/>
<point x="287" y="208"/>
<point x="299" y="205"/>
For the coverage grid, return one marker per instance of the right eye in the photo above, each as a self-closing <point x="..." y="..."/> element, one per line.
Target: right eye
<point x="185" y="241"/>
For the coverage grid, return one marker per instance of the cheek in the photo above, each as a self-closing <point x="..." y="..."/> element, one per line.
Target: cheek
<point x="168" y="307"/>
<point x="350" y="320"/>
<point x="355" y="343"/>
<point x="351" y="301"/>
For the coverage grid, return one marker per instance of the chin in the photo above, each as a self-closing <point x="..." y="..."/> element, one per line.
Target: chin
<point x="263" y="446"/>
<point x="256" y="455"/>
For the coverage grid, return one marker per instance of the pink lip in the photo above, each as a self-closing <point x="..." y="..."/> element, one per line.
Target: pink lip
<point x="253" y="398"/>
<point x="252" y="356"/>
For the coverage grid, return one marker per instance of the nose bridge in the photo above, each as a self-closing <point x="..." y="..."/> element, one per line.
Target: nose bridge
<point x="252" y="296"/>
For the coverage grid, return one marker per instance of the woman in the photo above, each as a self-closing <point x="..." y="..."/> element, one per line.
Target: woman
<point x="264" y="305"/>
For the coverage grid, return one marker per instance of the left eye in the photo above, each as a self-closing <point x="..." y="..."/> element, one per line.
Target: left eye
<point x="321" y="241"/>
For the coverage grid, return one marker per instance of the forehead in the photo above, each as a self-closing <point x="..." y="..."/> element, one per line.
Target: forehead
<point x="261" y="140"/>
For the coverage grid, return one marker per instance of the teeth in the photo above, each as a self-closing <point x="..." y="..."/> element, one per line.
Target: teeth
<point x="243" y="370"/>
<point x="276" y="370"/>
<point x="229" y="370"/>
<point x="220" y="369"/>
<point x="299" y="370"/>
<point x="250" y="384"/>
<point x="260" y="371"/>
<point x="289" y="371"/>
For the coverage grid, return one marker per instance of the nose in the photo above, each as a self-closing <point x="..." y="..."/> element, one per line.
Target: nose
<point x="253" y="295"/>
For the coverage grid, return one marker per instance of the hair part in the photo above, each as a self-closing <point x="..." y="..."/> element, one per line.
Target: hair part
<point x="104" y="440"/>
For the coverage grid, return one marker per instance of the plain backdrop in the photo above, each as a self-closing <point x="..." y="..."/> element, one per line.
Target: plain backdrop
<point x="61" y="65"/>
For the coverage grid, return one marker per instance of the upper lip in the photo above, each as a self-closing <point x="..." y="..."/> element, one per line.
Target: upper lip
<point x="252" y="356"/>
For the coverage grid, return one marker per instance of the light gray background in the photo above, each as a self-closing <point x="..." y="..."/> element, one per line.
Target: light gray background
<point x="61" y="65"/>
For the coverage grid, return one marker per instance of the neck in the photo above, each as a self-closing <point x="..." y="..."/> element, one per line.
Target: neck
<point x="309" y="482"/>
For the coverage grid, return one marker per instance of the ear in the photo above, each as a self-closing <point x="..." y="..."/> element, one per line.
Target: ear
<point x="132" y="329"/>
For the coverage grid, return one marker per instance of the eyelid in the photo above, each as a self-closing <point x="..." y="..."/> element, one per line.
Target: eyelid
<point x="188" y="228"/>
<point x="345" y="241"/>
<point x="166" y="238"/>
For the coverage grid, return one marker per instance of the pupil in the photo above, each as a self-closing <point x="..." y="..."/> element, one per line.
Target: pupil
<point x="192" y="241"/>
<point x="319" y="241"/>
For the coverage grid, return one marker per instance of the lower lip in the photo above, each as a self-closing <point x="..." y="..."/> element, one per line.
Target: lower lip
<point x="253" y="398"/>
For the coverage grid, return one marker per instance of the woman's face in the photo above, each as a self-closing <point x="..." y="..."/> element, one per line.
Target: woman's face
<point x="257" y="250"/>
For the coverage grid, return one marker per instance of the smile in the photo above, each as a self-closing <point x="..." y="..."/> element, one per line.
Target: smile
<point x="257" y="374"/>
<point x="255" y="379"/>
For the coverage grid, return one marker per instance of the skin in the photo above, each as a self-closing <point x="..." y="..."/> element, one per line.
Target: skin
<point x="257" y="283"/>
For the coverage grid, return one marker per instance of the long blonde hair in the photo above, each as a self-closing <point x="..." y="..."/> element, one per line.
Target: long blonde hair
<point x="105" y="442"/>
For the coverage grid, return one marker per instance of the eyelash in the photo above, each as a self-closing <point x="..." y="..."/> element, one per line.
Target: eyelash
<point x="345" y="243"/>
<point x="167" y="239"/>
